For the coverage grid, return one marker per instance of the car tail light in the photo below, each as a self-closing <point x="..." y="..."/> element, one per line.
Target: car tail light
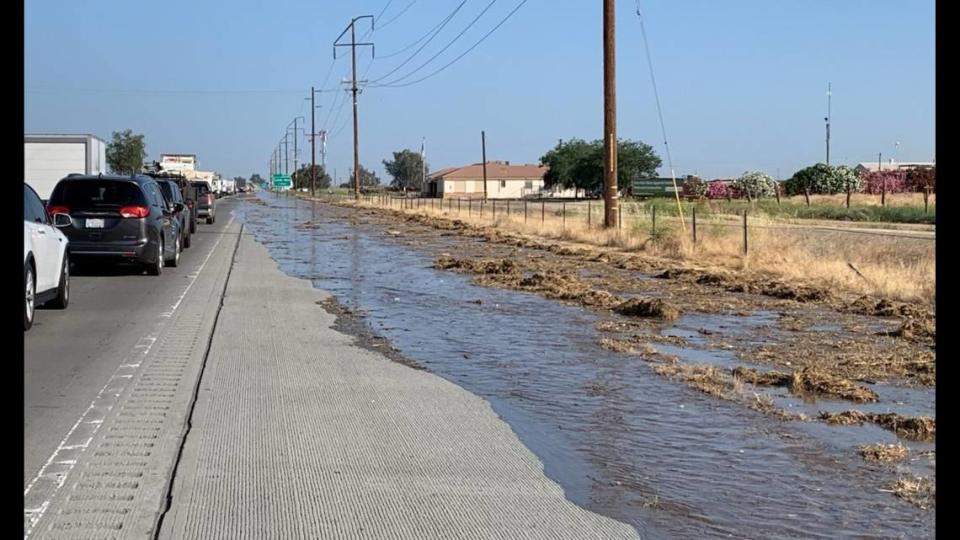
<point x="209" y="198"/>
<point x="57" y="210"/>
<point x="134" y="211"/>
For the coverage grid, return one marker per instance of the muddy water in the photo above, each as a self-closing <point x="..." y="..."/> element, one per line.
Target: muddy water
<point x="621" y="440"/>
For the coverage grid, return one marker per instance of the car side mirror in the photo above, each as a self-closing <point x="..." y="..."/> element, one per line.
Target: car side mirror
<point x="62" y="220"/>
<point x="178" y="207"/>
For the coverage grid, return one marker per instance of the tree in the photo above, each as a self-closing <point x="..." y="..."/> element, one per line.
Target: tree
<point x="406" y="170"/>
<point x="302" y="178"/>
<point x="126" y="152"/>
<point x="239" y="181"/>
<point x="368" y="179"/>
<point x="579" y="164"/>
<point x="256" y="179"/>
<point x="754" y="185"/>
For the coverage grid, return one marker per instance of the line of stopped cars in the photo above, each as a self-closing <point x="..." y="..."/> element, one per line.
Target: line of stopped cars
<point x="144" y="219"/>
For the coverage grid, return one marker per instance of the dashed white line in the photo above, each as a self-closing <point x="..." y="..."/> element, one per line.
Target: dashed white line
<point x="33" y="515"/>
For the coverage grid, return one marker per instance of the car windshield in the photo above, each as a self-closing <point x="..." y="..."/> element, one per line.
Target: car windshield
<point x="202" y="188"/>
<point x="97" y="193"/>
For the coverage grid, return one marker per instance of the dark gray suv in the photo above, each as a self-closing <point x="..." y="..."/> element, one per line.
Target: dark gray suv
<point x="118" y="217"/>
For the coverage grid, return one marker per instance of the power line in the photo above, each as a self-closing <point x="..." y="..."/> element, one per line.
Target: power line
<point x="160" y="92"/>
<point x="447" y="46"/>
<point x="436" y="32"/>
<point x="663" y="127"/>
<point x="398" y="15"/>
<point x="474" y="46"/>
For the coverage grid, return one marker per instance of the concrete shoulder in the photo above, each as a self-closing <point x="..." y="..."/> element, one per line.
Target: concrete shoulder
<point x="300" y="433"/>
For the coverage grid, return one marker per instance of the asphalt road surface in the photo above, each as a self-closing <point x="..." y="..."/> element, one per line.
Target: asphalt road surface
<point x="70" y="354"/>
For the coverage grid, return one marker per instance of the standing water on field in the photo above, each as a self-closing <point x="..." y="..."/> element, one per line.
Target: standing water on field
<point x="621" y="440"/>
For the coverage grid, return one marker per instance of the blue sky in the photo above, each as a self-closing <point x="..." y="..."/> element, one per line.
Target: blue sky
<point x="742" y="82"/>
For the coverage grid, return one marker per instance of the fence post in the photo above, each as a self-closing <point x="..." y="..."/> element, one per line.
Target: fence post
<point x="589" y="224"/>
<point x="494" y="209"/>
<point x="524" y="211"/>
<point x="744" y="232"/>
<point x="654" y="218"/>
<point x="619" y="216"/>
<point x="926" y="195"/>
<point x="563" y="211"/>
<point x="508" y="208"/>
<point x="694" y="225"/>
<point x="543" y="211"/>
<point x="470" y="206"/>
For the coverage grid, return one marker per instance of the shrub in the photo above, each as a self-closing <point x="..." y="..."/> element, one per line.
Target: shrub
<point x="896" y="182"/>
<point x="822" y="179"/>
<point x="718" y="189"/>
<point x="922" y="177"/>
<point x="754" y="185"/>
<point x="694" y="186"/>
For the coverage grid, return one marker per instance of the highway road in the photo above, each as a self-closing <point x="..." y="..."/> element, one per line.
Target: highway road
<point x="70" y="355"/>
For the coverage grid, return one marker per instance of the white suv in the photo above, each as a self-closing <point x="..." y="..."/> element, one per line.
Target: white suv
<point x="46" y="265"/>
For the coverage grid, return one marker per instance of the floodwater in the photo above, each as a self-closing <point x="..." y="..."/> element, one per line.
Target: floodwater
<point x="621" y="440"/>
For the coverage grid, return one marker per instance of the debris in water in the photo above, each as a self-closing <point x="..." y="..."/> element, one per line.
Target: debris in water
<point x="642" y="307"/>
<point x="808" y="380"/>
<point x="884" y="452"/>
<point x="922" y="428"/>
<point x="918" y="490"/>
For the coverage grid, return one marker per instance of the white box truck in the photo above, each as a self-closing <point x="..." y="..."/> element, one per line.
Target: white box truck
<point x="49" y="158"/>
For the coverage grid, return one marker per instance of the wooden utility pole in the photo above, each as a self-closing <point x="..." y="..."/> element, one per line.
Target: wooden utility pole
<point x="353" y="88"/>
<point x="611" y="203"/>
<point x="313" y="145"/>
<point x="483" y="145"/>
<point x="827" y="120"/>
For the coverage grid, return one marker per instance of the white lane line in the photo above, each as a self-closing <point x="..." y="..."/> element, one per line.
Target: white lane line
<point x="33" y="515"/>
<point x="193" y="276"/>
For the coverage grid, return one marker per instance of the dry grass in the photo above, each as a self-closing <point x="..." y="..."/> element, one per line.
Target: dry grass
<point x="884" y="452"/>
<point x="897" y="268"/>
<point x="864" y="199"/>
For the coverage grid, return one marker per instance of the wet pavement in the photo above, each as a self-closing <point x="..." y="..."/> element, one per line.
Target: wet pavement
<point x="620" y="439"/>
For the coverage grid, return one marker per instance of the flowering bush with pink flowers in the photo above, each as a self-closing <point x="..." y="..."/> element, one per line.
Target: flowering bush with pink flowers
<point x="719" y="189"/>
<point x="872" y="182"/>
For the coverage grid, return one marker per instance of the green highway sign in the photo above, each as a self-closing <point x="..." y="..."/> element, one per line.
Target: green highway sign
<point x="654" y="186"/>
<point x="281" y="180"/>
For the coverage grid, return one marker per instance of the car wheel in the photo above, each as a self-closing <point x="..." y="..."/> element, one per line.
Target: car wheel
<point x="187" y="240"/>
<point x="63" y="291"/>
<point x="193" y="226"/>
<point x="175" y="261"/>
<point x="30" y="287"/>
<point x="210" y="220"/>
<point x="155" y="268"/>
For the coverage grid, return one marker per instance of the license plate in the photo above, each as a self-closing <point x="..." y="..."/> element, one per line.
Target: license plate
<point x="94" y="223"/>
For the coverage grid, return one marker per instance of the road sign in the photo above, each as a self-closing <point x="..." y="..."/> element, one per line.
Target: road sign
<point x="654" y="186"/>
<point x="281" y="180"/>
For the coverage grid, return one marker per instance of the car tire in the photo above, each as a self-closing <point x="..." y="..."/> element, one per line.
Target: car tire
<point x="177" y="249"/>
<point x="193" y="226"/>
<point x="210" y="220"/>
<point x="187" y="242"/>
<point x="155" y="268"/>
<point x="30" y="295"/>
<point x="63" y="291"/>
